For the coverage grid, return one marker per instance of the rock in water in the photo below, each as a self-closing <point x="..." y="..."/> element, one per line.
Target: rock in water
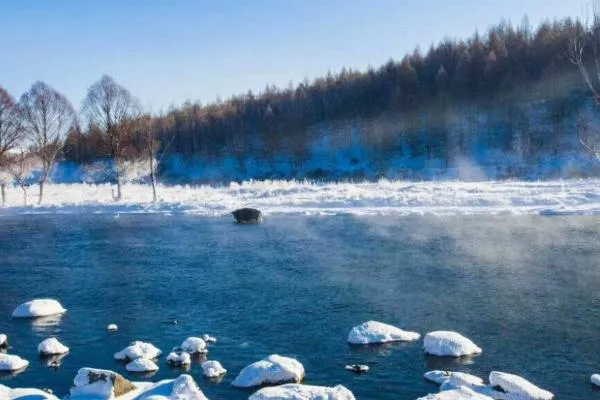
<point x="10" y="362"/>
<point x="194" y="345"/>
<point x="358" y="368"/>
<point x="446" y="343"/>
<point x="304" y="392"/>
<point x="518" y="387"/>
<point x="273" y="370"/>
<point x="378" y="332"/>
<point x="52" y="346"/>
<point x="99" y="383"/>
<point x="595" y="379"/>
<point x="112" y="328"/>
<point x="3" y="342"/>
<point x="453" y="380"/>
<point x="141" y="365"/>
<point x="7" y="393"/>
<point x="38" y="308"/>
<point x="179" y="358"/>
<point x="138" y="350"/>
<point x="462" y="393"/>
<point x="248" y="216"/>
<point x="212" y="369"/>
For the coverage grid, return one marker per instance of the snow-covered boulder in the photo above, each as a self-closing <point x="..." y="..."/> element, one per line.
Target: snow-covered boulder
<point x="303" y="392"/>
<point x="3" y="342"/>
<point x="141" y="365"/>
<point x="38" y="308"/>
<point x="272" y="370"/>
<point x="378" y="332"/>
<point x="7" y="393"/>
<point x="212" y="369"/>
<point x="517" y="386"/>
<point x="99" y="384"/>
<point x="10" y="362"/>
<point x="194" y="345"/>
<point x="447" y="343"/>
<point x="595" y="379"/>
<point x="453" y="380"/>
<point x="138" y="350"/>
<point x="462" y="393"/>
<point x="52" y="346"/>
<point x="358" y="368"/>
<point x="112" y="328"/>
<point x="182" y="388"/>
<point x="179" y="358"/>
<point x="209" y="339"/>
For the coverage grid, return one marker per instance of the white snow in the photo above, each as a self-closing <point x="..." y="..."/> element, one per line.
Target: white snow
<point x="98" y="384"/>
<point x="179" y="358"/>
<point x="518" y="386"/>
<point x="141" y="365"/>
<point x="209" y="339"/>
<point x="194" y="345"/>
<point x="182" y="388"/>
<point x="138" y="349"/>
<point x="7" y="393"/>
<point x="378" y="332"/>
<point x="112" y="328"/>
<point x="462" y="393"/>
<point x="303" y="392"/>
<point x="303" y="197"/>
<point x="357" y="368"/>
<point x="9" y="362"/>
<point x="52" y="346"/>
<point x="3" y="340"/>
<point x="272" y="370"/>
<point x="38" y="308"/>
<point x="212" y="369"/>
<point x="447" y="343"/>
<point x="595" y="379"/>
<point x="453" y="380"/>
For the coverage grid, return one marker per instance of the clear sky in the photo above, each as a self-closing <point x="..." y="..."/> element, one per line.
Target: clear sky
<point x="167" y="51"/>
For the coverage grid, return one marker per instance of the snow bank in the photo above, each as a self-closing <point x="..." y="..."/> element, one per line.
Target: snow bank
<point x="91" y="383"/>
<point x="518" y="386"/>
<point x="7" y="393"/>
<point x="212" y="369"/>
<point x="462" y="393"/>
<point x="52" y="346"/>
<point x="138" y="350"/>
<point x="141" y="365"/>
<point x="194" y="345"/>
<point x="303" y="392"/>
<point x="378" y="332"/>
<point x="595" y="379"/>
<point x="179" y="359"/>
<point x="10" y="362"/>
<point x="453" y="380"/>
<point x="447" y="343"/>
<point x="272" y="370"/>
<point x="38" y="308"/>
<point x="302" y="197"/>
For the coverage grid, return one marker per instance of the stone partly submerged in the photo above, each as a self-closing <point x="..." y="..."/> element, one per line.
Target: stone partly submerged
<point x="518" y="387"/>
<point x="51" y="347"/>
<point x="453" y="380"/>
<point x="10" y="363"/>
<point x="450" y="344"/>
<point x="194" y="345"/>
<point x="462" y="393"/>
<point x="179" y="359"/>
<point x="3" y="342"/>
<point x="212" y="369"/>
<point x="38" y="308"/>
<point x="138" y="349"/>
<point x="7" y="393"/>
<point x="595" y="380"/>
<point x="303" y="392"/>
<point x="182" y="388"/>
<point x="141" y="365"/>
<point x="273" y="370"/>
<point x="99" y="384"/>
<point x="248" y="216"/>
<point x="377" y="332"/>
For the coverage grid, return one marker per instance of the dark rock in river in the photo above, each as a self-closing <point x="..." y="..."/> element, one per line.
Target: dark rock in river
<point x="247" y="216"/>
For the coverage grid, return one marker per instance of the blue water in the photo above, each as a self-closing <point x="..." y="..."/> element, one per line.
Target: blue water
<point x="525" y="289"/>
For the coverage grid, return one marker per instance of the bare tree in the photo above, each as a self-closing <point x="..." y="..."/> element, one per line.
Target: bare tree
<point x="112" y="108"/>
<point x="47" y="118"/>
<point x="11" y="133"/>
<point x="154" y="151"/>
<point x="21" y="167"/>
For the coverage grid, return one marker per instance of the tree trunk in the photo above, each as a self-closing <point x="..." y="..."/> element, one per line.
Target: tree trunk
<point x="3" y="189"/>
<point x="118" y="175"/>
<point x="24" y="194"/>
<point x="153" y="182"/>
<point x="42" y="181"/>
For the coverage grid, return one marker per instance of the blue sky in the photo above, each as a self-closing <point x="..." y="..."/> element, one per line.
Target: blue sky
<point x="171" y="50"/>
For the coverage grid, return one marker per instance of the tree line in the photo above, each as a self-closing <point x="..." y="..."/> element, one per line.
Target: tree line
<point x="506" y="64"/>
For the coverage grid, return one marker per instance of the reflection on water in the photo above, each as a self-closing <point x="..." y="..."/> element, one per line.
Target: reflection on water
<point x="44" y="326"/>
<point x="6" y="375"/>
<point x="52" y="361"/>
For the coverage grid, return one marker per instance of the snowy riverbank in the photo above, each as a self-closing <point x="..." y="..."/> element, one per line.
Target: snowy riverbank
<point x="579" y="197"/>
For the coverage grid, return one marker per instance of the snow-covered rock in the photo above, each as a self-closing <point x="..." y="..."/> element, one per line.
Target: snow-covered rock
<point x="378" y="332"/>
<point x="303" y="392"/>
<point x="10" y="362"/>
<point x="138" y="350"/>
<point x="182" y="388"/>
<point x="112" y="328"/>
<point x="52" y="346"/>
<point x="462" y="393"/>
<point x="38" y="308"/>
<point x="272" y="370"/>
<point x="453" y="380"/>
<point x="359" y="368"/>
<point x="101" y="384"/>
<point x="141" y="365"/>
<point x="3" y="342"/>
<point x="194" y="345"/>
<point x="595" y="379"/>
<point x="209" y="339"/>
<point x="7" y="393"/>
<point x="212" y="369"/>
<point x="517" y="386"/>
<point x="447" y="343"/>
<point x="179" y="358"/>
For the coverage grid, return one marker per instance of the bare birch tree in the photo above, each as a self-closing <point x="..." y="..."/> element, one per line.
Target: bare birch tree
<point x="112" y="108"/>
<point x="21" y="167"/>
<point x="47" y="118"/>
<point x="11" y="134"/>
<point x="154" y="150"/>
